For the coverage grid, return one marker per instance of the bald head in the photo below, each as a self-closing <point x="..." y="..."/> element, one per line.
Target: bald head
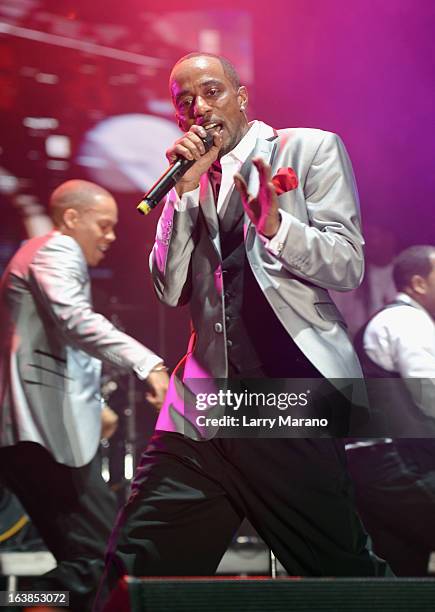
<point x="88" y="213"/>
<point x="76" y="194"/>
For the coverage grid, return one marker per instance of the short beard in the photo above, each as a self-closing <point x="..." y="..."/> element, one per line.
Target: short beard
<point x="230" y="146"/>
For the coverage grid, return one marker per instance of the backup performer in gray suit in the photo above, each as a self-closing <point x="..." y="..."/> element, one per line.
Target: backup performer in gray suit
<point x="52" y="344"/>
<point x="255" y="271"/>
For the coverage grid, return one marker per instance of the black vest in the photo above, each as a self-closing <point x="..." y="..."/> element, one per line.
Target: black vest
<point x="256" y="339"/>
<point x="390" y="397"/>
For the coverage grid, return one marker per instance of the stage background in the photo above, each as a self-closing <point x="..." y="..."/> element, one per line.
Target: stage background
<point x="83" y="94"/>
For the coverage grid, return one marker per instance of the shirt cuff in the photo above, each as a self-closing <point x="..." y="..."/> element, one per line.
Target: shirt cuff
<point x="189" y="199"/>
<point x="275" y="245"/>
<point x="144" y="368"/>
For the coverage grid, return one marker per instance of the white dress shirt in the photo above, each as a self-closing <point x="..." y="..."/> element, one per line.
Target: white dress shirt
<point x="401" y="339"/>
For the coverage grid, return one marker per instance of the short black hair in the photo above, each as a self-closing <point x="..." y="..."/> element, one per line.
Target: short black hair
<point x="411" y="261"/>
<point x="228" y="68"/>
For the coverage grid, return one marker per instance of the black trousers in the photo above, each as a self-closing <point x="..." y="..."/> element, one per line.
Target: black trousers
<point x="188" y="499"/>
<point x="395" y="495"/>
<point x="74" y="511"/>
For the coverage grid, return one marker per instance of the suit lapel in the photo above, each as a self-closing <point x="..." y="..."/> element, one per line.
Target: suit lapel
<point x="265" y="147"/>
<point x="208" y="207"/>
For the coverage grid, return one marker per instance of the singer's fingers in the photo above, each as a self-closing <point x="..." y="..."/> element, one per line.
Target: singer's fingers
<point x="241" y="187"/>
<point x="189" y="148"/>
<point x="194" y="143"/>
<point x="247" y="200"/>
<point x="179" y="150"/>
<point x="204" y="134"/>
<point x="199" y="130"/>
<point x="267" y="190"/>
<point x="217" y="139"/>
<point x="196" y="140"/>
<point x="264" y="170"/>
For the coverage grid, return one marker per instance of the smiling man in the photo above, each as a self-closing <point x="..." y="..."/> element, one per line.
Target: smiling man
<point x="51" y="343"/>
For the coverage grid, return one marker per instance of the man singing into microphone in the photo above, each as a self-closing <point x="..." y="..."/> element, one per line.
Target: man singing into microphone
<point x="255" y="268"/>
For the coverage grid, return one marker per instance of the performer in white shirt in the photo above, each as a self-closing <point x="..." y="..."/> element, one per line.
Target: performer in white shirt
<point x="395" y="477"/>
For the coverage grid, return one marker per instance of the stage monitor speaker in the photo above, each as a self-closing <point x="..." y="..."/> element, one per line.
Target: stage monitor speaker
<point x="280" y="595"/>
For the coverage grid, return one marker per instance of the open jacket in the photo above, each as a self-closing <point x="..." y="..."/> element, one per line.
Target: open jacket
<point x="322" y="250"/>
<point x="51" y="343"/>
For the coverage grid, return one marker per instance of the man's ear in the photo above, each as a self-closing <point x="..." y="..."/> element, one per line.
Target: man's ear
<point x="70" y="218"/>
<point x="242" y="96"/>
<point x="418" y="284"/>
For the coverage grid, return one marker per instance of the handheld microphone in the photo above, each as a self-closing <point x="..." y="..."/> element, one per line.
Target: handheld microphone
<point x="169" y="179"/>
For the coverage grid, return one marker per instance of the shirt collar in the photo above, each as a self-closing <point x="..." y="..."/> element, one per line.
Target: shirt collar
<point x="407" y="299"/>
<point x="242" y="150"/>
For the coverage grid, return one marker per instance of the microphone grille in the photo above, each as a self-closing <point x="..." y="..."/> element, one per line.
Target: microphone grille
<point x="208" y="140"/>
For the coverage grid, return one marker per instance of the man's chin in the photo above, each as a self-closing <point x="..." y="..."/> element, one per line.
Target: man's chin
<point x="94" y="261"/>
<point x="228" y="146"/>
<point x="224" y="150"/>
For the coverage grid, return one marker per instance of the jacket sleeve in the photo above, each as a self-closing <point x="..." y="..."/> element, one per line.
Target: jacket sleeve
<point x="170" y="259"/>
<point x="59" y="280"/>
<point x="328" y="250"/>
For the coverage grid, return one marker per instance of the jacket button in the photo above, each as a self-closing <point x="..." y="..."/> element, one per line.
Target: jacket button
<point x="218" y="328"/>
<point x="229" y="343"/>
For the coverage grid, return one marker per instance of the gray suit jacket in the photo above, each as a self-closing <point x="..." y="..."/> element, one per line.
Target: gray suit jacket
<point x="51" y="343"/>
<point x="322" y="250"/>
